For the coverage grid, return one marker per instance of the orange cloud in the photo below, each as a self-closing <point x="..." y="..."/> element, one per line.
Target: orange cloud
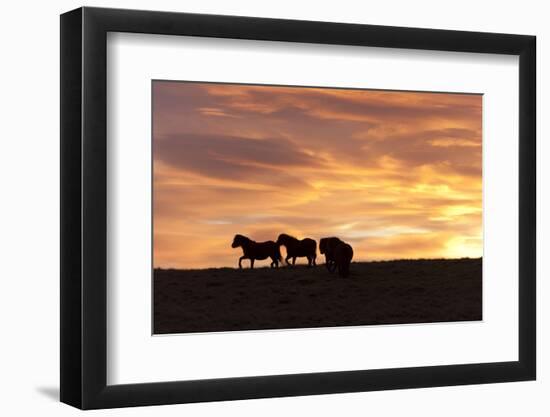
<point x="398" y="174"/>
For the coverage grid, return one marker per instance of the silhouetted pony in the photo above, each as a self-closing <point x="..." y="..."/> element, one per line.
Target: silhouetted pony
<point x="257" y="250"/>
<point x="296" y="248"/>
<point x="338" y="254"/>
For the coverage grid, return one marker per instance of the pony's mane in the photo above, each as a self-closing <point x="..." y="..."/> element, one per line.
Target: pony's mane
<point x="289" y="236"/>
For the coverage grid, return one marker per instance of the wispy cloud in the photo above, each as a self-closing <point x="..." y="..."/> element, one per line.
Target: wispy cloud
<point x="396" y="173"/>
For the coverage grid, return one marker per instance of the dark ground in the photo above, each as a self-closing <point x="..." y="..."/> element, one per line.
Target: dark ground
<point x="391" y="292"/>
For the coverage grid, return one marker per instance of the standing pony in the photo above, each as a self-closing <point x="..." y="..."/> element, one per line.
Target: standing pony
<point x="296" y="248"/>
<point x="257" y="250"/>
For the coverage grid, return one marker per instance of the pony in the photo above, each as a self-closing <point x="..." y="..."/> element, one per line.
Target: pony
<point x="338" y="255"/>
<point x="257" y="251"/>
<point x="296" y="248"/>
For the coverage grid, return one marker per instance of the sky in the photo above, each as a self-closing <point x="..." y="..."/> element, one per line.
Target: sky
<point x="396" y="174"/>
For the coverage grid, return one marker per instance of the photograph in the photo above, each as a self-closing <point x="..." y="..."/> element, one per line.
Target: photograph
<point x="291" y="207"/>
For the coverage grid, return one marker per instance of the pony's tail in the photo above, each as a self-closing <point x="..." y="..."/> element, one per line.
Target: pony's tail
<point x="278" y="253"/>
<point x="315" y="253"/>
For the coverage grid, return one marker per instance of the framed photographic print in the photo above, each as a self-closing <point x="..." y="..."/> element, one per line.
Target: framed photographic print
<point x="259" y="207"/>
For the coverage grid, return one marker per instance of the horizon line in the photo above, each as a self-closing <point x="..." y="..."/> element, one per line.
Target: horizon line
<point x="321" y="264"/>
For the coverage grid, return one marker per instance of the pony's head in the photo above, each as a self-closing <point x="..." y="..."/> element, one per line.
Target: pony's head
<point x="238" y="240"/>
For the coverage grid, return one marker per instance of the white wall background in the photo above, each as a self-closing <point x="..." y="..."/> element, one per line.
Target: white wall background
<point x="29" y="226"/>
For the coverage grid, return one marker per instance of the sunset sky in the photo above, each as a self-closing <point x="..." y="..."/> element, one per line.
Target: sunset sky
<point x="395" y="174"/>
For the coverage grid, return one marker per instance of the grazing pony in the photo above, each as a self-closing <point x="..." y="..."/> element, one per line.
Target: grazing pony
<point x="296" y="248"/>
<point x="338" y="255"/>
<point x="327" y="246"/>
<point x="257" y="250"/>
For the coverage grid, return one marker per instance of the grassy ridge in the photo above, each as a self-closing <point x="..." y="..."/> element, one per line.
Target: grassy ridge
<point x="386" y="292"/>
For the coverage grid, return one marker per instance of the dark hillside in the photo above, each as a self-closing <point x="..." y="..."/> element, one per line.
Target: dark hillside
<point x="391" y="292"/>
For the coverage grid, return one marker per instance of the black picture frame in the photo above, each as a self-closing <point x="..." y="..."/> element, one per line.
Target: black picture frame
<point x="84" y="207"/>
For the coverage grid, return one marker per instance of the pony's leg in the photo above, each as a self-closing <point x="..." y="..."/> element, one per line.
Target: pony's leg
<point x="251" y="263"/>
<point x="314" y="257"/>
<point x="293" y="261"/>
<point x="240" y="260"/>
<point x="286" y="259"/>
<point x="309" y="261"/>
